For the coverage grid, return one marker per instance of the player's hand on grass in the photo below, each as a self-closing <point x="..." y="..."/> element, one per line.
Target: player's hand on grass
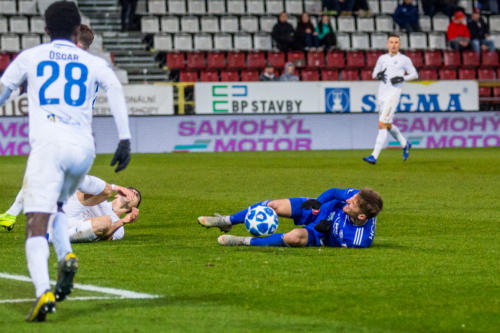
<point x="131" y="217"/>
<point x="323" y="226"/>
<point x="382" y="76"/>
<point x="397" y="79"/>
<point x="122" y="155"/>
<point x="313" y="204"/>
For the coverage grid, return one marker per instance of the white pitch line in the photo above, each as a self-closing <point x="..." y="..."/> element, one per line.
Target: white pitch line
<point x="81" y="298"/>
<point x="122" y="293"/>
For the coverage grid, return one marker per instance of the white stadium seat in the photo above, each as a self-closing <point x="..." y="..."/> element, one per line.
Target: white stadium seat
<point x="4" y="27"/>
<point x="333" y="22"/>
<point x="162" y="42"/>
<point x="223" y="42"/>
<point x="388" y="6"/>
<point x="37" y="24"/>
<point x="293" y="20"/>
<point x="10" y="43"/>
<point x="249" y="23"/>
<point x="418" y="40"/>
<point x="149" y="24"/>
<point x="374" y="6"/>
<point x="403" y="40"/>
<point x="8" y="7"/>
<point x="236" y="7"/>
<point x="313" y="6"/>
<point x="495" y="23"/>
<point x="262" y="41"/>
<point x="170" y="24"/>
<point x="176" y="7"/>
<point x="190" y="24"/>
<point x="440" y="23"/>
<point x="29" y="40"/>
<point x="346" y="24"/>
<point x="255" y="7"/>
<point x="384" y="23"/>
<point x="343" y="41"/>
<point x="243" y="42"/>
<point x="360" y="41"/>
<point x="274" y="7"/>
<point x="18" y="24"/>
<point x="267" y="23"/>
<point x="425" y="23"/>
<point x="197" y="7"/>
<point x="466" y="4"/>
<point x="183" y="42"/>
<point x="365" y="24"/>
<point x="203" y="42"/>
<point x="27" y="7"/>
<point x="437" y="40"/>
<point x="209" y="24"/>
<point x="379" y="40"/>
<point x="157" y="7"/>
<point x="495" y="37"/>
<point x="294" y="7"/>
<point x="229" y="24"/>
<point x="216" y="7"/>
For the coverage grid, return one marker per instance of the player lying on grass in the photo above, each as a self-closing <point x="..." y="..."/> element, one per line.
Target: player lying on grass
<point x="91" y="216"/>
<point x="337" y="218"/>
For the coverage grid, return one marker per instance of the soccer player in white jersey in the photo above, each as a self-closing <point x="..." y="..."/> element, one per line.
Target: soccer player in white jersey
<point x="392" y="69"/>
<point x="62" y="80"/>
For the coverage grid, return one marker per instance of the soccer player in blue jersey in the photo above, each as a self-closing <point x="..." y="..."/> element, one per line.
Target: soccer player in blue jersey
<point x="337" y="218"/>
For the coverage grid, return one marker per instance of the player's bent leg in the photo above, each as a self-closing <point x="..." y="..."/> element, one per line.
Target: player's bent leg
<point x="282" y="207"/>
<point x="296" y="237"/>
<point x="100" y="226"/>
<point x="44" y="304"/>
<point x="230" y="240"/>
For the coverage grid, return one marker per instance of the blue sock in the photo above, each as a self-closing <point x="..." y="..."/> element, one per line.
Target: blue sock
<point x="273" y="240"/>
<point x="240" y="216"/>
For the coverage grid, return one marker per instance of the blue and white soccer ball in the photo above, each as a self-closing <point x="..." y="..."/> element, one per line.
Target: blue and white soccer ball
<point x="261" y="221"/>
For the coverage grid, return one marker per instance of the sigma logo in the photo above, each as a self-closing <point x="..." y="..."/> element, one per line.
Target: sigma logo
<point x="337" y="99"/>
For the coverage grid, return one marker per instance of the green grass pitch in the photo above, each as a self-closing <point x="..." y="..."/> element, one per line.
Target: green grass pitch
<point x="433" y="267"/>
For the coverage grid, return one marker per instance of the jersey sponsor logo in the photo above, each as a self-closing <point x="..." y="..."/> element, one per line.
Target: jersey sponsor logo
<point x="338" y="99"/>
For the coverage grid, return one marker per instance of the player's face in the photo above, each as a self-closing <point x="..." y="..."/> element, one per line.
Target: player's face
<point x="129" y="203"/>
<point x="393" y="45"/>
<point x="352" y="207"/>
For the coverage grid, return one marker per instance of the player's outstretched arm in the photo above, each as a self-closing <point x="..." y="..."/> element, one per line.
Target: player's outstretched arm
<point x="129" y="218"/>
<point x="336" y="194"/>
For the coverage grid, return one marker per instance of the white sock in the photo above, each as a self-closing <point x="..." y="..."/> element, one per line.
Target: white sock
<point x="379" y="143"/>
<point x="17" y="206"/>
<point x="60" y="238"/>
<point x="396" y="134"/>
<point x="37" y="256"/>
<point x="227" y="219"/>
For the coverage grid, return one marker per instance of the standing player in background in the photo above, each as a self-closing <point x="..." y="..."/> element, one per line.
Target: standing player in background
<point x="62" y="80"/>
<point x="392" y="69"/>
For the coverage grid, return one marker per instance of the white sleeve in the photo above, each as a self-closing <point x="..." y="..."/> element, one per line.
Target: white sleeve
<point x="378" y="68"/>
<point x="16" y="73"/>
<point x="410" y="69"/>
<point x="113" y="88"/>
<point x="92" y="185"/>
<point x="118" y="234"/>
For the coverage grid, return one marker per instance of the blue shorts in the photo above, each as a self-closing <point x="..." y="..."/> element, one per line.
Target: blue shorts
<point x="301" y="216"/>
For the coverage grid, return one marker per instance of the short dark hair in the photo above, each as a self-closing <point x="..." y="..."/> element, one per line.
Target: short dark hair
<point x="86" y="36"/>
<point x="139" y="195"/>
<point x="393" y="34"/>
<point x="370" y="202"/>
<point x="61" y="19"/>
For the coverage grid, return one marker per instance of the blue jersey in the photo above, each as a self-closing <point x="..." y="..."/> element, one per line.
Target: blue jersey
<point x="342" y="233"/>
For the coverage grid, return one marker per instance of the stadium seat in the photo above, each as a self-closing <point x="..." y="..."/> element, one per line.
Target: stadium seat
<point x="8" y="7"/>
<point x="209" y="76"/>
<point x="216" y="7"/>
<point x="416" y="57"/>
<point x="490" y="59"/>
<point x="379" y="41"/>
<point x="451" y="58"/>
<point x="197" y="7"/>
<point x="418" y="40"/>
<point x="249" y="24"/>
<point x="243" y="41"/>
<point x="10" y="43"/>
<point x="216" y="60"/>
<point x="157" y="7"/>
<point x="384" y="23"/>
<point x="346" y="24"/>
<point x="175" y="60"/>
<point x="426" y="74"/>
<point x="162" y="42"/>
<point x="276" y="59"/>
<point x="372" y="57"/>
<point x="203" y="42"/>
<point x="433" y="58"/>
<point x="366" y="74"/>
<point x="495" y="23"/>
<point x="437" y="40"/>
<point x="18" y="24"/>
<point x="229" y="24"/>
<point x="236" y="7"/>
<point x="255" y="7"/>
<point x="229" y="76"/>
<point x="176" y="7"/>
<point x="262" y="41"/>
<point x="249" y="75"/>
<point x="170" y="24"/>
<point x="188" y="76"/>
<point x="190" y="24"/>
<point x="28" y="7"/>
<point x="365" y="24"/>
<point x="267" y="23"/>
<point x="150" y="25"/>
<point x="466" y="74"/>
<point x="183" y="42"/>
<point x="485" y="74"/>
<point x="256" y="60"/>
<point x="196" y="60"/>
<point x="470" y="59"/>
<point x="447" y="74"/>
<point x="403" y="38"/>
<point x="349" y="75"/>
<point x="297" y="57"/>
<point x="4" y="61"/>
<point x="209" y="24"/>
<point x="236" y="60"/>
<point x="335" y="59"/>
<point x="312" y="6"/>
<point x="30" y="40"/>
<point x="360" y="41"/>
<point x="274" y="7"/>
<point x="309" y="75"/>
<point x="4" y="27"/>
<point x="440" y="23"/>
<point x="329" y="75"/>
<point x="223" y="41"/>
<point x="355" y="59"/>
<point x="425" y="23"/>
<point x="388" y="6"/>
<point x="315" y="59"/>
<point x="343" y="41"/>
<point x="496" y="91"/>
<point x="484" y="92"/>
<point x="374" y="6"/>
<point x="292" y="7"/>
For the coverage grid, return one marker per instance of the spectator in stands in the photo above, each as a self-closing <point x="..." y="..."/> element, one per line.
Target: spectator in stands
<point x="289" y="73"/>
<point x="479" y="31"/>
<point x="491" y="6"/>
<point x="431" y="7"/>
<point x="406" y="16"/>
<point x="306" y="35"/>
<point x="362" y="8"/>
<point x="326" y="35"/>
<point x="268" y="74"/>
<point x="342" y="7"/>
<point x="283" y="33"/>
<point x="458" y="34"/>
<point x="128" y="14"/>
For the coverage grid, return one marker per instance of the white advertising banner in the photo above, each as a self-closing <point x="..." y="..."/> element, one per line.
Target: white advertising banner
<point x="335" y="96"/>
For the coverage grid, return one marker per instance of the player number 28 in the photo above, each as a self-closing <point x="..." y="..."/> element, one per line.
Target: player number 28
<point x="70" y="82"/>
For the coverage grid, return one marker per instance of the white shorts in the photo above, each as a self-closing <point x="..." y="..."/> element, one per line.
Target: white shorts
<point x="387" y="107"/>
<point x="52" y="175"/>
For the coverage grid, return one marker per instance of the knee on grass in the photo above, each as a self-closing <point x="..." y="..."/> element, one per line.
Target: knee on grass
<point x="296" y="238"/>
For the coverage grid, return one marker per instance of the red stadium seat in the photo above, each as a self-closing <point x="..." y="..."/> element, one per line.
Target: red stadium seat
<point x="355" y="59"/>
<point x="372" y="57"/>
<point x="188" y="76"/>
<point x="329" y="75"/>
<point x="256" y="60"/>
<point x="196" y="60"/>
<point x="452" y="59"/>
<point x="315" y="59"/>
<point x="230" y="76"/>
<point x="366" y="74"/>
<point x="490" y="59"/>
<point x="485" y="74"/>
<point x="236" y="60"/>
<point x="498" y="72"/>
<point x="433" y="58"/>
<point x="297" y="57"/>
<point x="448" y="74"/>
<point x="466" y="74"/>
<point x="216" y="60"/>
<point x="470" y="58"/>
<point x="175" y="60"/>
<point x="484" y="91"/>
<point x="349" y="75"/>
<point x="335" y="59"/>
<point x="427" y="74"/>
<point x="310" y="75"/>
<point x="276" y="59"/>
<point x="496" y="91"/>
<point x="416" y="58"/>
<point x="4" y="61"/>
<point x="209" y="76"/>
<point x="249" y="75"/>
